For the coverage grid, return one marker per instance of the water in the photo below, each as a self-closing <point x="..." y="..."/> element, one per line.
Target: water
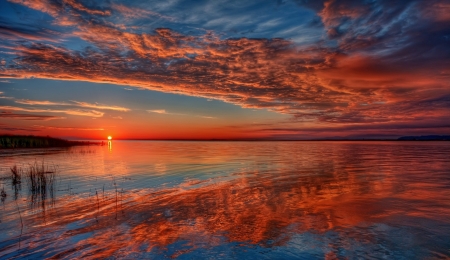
<point x="231" y="200"/>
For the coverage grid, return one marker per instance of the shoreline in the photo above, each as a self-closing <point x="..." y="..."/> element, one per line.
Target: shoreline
<point x="32" y="142"/>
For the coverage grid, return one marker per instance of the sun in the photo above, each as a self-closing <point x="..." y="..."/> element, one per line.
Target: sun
<point x="109" y="137"/>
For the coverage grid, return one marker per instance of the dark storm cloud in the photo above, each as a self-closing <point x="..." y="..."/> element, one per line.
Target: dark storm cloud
<point x="380" y="61"/>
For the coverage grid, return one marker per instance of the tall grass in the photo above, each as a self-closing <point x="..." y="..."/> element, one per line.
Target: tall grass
<point x="40" y="177"/>
<point x="16" y="175"/>
<point x="3" y="194"/>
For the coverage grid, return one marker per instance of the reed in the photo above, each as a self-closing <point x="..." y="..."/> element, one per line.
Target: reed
<point x="16" y="175"/>
<point x="40" y="177"/>
<point x="98" y="205"/>
<point x="3" y="194"/>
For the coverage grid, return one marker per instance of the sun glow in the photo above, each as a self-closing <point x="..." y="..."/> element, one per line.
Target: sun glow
<point x="109" y="137"/>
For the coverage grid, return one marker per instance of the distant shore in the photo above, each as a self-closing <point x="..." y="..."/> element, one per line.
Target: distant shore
<point x="325" y="139"/>
<point x="31" y="141"/>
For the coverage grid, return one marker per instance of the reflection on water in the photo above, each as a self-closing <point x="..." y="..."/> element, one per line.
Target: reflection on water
<point x="249" y="200"/>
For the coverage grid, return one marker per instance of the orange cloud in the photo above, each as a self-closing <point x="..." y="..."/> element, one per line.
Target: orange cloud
<point x="45" y="6"/>
<point x="74" y="103"/>
<point x="101" y="107"/>
<point x="157" y="111"/>
<point x="55" y="8"/>
<point x="352" y="79"/>
<point x="75" y="112"/>
<point x="40" y="102"/>
<point x="68" y="128"/>
<point x="80" y="7"/>
<point x="163" y="111"/>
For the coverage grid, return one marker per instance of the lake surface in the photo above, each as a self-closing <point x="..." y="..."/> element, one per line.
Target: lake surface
<point x="230" y="200"/>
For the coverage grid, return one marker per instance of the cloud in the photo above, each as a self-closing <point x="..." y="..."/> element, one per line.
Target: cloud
<point x="163" y="111"/>
<point x="136" y="13"/>
<point x="57" y="8"/>
<point x="40" y="102"/>
<point x="76" y="5"/>
<point x="4" y="97"/>
<point x="379" y="61"/>
<point x="158" y="111"/>
<point x="75" y="112"/>
<point x="438" y="11"/>
<point x="15" y="129"/>
<point x="68" y="128"/>
<point x="100" y="106"/>
<point x="29" y="32"/>
<point x="252" y="73"/>
<point x="28" y="117"/>
<point x="73" y="103"/>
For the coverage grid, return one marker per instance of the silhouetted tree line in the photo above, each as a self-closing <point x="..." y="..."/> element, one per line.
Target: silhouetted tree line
<point x="30" y="141"/>
<point x="425" y="138"/>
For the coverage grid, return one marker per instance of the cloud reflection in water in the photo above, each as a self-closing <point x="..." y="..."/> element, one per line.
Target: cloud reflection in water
<point x="351" y="204"/>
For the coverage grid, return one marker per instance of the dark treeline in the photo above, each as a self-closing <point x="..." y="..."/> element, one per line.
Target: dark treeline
<point x="30" y="141"/>
<point x="425" y="138"/>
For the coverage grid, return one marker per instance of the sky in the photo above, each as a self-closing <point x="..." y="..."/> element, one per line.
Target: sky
<point x="225" y="69"/>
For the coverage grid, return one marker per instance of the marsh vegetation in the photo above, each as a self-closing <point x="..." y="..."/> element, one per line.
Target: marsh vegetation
<point x="31" y="141"/>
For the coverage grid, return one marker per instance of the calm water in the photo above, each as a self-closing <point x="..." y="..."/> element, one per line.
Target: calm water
<point x="231" y="200"/>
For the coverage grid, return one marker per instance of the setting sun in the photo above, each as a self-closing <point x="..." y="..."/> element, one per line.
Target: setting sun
<point x="109" y="137"/>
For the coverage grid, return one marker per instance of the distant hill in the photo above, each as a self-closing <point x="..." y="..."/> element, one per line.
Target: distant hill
<point x="31" y="141"/>
<point x="425" y="138"/>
